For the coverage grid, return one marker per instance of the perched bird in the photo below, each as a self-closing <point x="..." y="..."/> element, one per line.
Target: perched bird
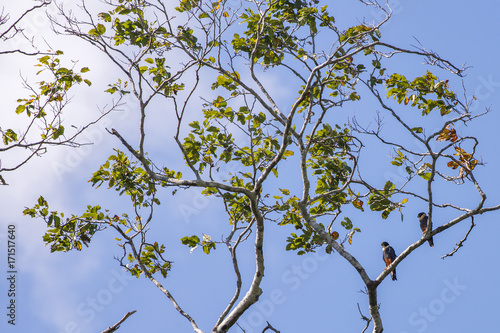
<point x="389" y="256"/>
<point x="422" y="217"/>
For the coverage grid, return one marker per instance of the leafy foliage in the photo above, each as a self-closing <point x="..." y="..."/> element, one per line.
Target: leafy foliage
<point x="194" y="241"/>
<point x="295" y="165"/>
<point x="50" y="94"/>
<point x="43" y="110"/>
<point x="419" y="91"/>
<point x="271" y="36"/>
<point x="126" y="177"/>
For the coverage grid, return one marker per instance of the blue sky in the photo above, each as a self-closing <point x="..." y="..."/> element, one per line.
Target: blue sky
<point x="87" y="291"/>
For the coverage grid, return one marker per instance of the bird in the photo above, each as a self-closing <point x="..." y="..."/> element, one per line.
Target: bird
<point x="422" y="217"/>
<point x="389" y="256"/>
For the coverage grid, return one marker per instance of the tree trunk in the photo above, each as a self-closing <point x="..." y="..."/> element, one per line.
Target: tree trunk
<point x="372" y="302"/>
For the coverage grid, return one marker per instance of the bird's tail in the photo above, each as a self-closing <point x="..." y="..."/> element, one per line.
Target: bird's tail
<point x="393" y="275"/>
<point x="430" y="240"/>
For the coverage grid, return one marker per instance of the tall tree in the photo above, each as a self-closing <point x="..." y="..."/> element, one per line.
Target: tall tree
<point x="244" y="142"/>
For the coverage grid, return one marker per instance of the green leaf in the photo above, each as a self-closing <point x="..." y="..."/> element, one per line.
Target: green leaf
<point x="425" y="175"/>
<point x="275" y="172"/>
<point x="20" y="109"/>
<point x="9" y="136"/>
<point x="190" y="241"/>
<point x="44" y="60"/>
<point x="105" y="17"/>
<point x="389" y="186"/>
<point x="208" y="247"/>
<point x="285" y="191"/>
<point x="347" y="223"/>
<point x="58" y="132"/>
<point x="101" y="29"/>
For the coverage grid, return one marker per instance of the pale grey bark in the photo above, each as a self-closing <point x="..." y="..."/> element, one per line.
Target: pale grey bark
<point x="302" y="134"/>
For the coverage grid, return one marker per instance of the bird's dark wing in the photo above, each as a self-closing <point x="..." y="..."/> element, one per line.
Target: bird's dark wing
<point x="391" y="253"/>
<point x="423" y="227"/>
<point x="423" y="223"/>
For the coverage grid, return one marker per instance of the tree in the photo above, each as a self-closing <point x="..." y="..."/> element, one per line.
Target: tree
<point x="44" y="106"/>
<point x="234" y="142"/>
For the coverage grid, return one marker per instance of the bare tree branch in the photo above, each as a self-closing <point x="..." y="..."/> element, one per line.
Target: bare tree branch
<point x="270" y="327"/>
<point x="368" y="320"/>
<point x="116" y="326"/>
<point x="460" y="244"/>
<point x="12" y="30"/>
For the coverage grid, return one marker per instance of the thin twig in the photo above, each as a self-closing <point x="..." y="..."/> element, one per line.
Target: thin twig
<point x="270" y="328"/>
<point x="461" y="243"/>
<point x="368" y="320"/>
<point x="117" y="325"/>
